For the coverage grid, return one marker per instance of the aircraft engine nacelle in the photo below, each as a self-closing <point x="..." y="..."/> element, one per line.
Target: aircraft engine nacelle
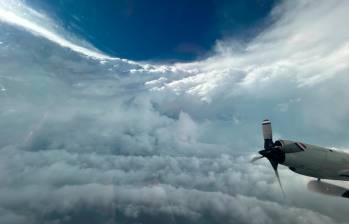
<point x="288" y="146"/>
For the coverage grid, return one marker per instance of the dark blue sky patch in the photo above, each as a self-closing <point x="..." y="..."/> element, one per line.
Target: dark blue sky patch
<point x="158" y="29"/>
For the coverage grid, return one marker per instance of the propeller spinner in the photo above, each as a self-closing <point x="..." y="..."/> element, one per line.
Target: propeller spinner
<point x="272" y="152"/>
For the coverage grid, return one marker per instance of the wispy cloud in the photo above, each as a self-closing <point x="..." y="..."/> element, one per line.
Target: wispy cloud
<point x="15" y="12"/>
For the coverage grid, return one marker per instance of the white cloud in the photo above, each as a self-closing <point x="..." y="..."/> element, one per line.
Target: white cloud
<point x="16" y="13"/>
<point x="308" y="44"/>
<point x="119" y="140"/>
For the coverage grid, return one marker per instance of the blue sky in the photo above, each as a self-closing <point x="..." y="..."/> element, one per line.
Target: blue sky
<point x="159" y="30"/>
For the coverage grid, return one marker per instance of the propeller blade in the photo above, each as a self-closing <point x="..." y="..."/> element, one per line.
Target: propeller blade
<point x="256" y="158"/>
<point x="274" y="164"/>
<point x="267" y="134"/>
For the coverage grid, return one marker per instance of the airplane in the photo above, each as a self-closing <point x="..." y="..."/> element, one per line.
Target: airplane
<point x="306" y="159"/>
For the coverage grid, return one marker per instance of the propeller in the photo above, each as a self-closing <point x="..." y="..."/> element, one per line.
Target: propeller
<point x="272" y="152"/>
<point x="256" y="158"/>
<point x="274" y="164"/>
